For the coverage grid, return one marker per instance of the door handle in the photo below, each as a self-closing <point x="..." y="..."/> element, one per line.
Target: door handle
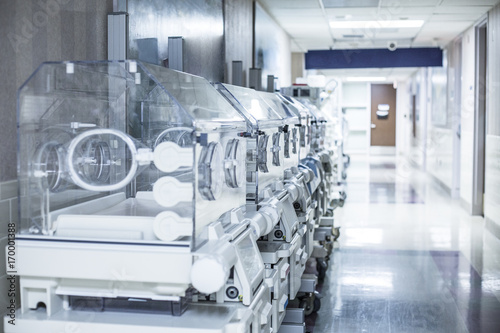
<point x="373" y="126"/>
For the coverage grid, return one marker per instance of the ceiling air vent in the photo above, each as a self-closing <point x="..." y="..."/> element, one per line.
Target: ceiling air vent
<point x="353" y="36"/>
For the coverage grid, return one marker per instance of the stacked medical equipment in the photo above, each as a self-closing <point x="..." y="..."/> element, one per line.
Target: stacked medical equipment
<point x="333" y="129"/>
<point x="276" y="179"/>
<point x="151" y="200"/>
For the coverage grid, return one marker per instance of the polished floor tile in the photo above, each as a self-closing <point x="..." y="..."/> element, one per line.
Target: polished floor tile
<point x="389" y="192"/>
<point x="393" y="291"/>
<point x="409" y="258"/>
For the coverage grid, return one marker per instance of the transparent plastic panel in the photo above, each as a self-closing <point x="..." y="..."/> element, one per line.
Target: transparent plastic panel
<point x="312" y="108"/>
<point x="106" y="152"/>
<point x="218" y="172"/>
<point x="329" y="125"/>
<point x="252" y="123"/>
<point x="318" y="126"/>
<point x="57" y="106"/>
<point x="252" y="262"/>
<point x="325" y="129"/>
<point x="270" y="161"/>
<point x="220" y="183"/>
<point x="300" y="137"/>
<point x="269" y="147"/>
<point x="259" y="113"/>
<point x="288" y="116"/>
<point x="297" y="108"/>
<point x="199" y="98"/>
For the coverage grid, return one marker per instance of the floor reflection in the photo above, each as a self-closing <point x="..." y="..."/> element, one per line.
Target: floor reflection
<point x="477" y="304"/>
<point x="404" y="291"/>
<point x="411" y="260"/>
<point x="377" y="192"/>
<point x="393" y="193"/>
<point x="383" y="165"/>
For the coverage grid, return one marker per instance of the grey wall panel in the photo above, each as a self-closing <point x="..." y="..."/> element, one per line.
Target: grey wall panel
<point x="8" y="84"/>
<point x="492" y="161"/>
<point x="238" y="31"/>
<point x="272" y="49"/>
<point x="201" y="23"/>
<point x="32" y="32"/>
<point x="493" y="96"/>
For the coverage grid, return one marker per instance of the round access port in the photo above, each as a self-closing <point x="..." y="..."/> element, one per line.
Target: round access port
<point x="232" y="292"/>
<point x="296" y="205"/>
<point x="278" y="234"/>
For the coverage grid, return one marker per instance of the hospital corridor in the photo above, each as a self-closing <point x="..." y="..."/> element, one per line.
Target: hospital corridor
<point x="409" y="258"/>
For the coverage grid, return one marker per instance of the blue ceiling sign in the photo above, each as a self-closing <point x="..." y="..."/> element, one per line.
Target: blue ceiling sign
<point x="375" y="58"/>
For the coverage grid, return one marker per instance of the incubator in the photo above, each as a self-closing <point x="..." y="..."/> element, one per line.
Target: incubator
<point x="284" y="248"/>
<point x="323" y="159"/>
<point x="270" y="148"/>
<point x="328" y="137"/>
<point x="153" y="200"/>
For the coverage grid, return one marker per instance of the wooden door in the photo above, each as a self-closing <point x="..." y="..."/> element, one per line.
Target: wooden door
<point x="383" y="115"/>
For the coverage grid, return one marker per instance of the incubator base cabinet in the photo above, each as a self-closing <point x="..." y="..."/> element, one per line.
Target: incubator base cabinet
<point x="152" y="200"/>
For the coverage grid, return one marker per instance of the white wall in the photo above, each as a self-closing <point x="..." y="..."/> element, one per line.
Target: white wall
<point x="440" y="134"/>
<point x="355" y="101"/>
<point x="438" y="148"/>
<point x="492" y="162"/>
<point x="432" y="147"/>
<point x="440" y="154"/>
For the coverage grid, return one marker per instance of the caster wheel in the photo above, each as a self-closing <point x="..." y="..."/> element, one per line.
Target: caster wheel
<point x="336" y="233"/>
<point x="321" y="267"/>
<point x="343" y="195"/>
<point x="317" y="304"/>
<point x="308" y="305"/>
<point x="329" y="248"/>
<point x="347" y="161"/>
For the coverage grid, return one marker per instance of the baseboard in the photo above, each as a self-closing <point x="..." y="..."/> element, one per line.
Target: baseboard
<point x="414" y="164"/>
<point x="441" y="184"/>
<point x="465" y="205"/>
<point x="492" y="227"/>
<point x="382" y="150"/>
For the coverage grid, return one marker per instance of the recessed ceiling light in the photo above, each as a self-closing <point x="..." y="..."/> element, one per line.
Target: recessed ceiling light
<point x="343" y="17"/>
<point x="376" y="24"/>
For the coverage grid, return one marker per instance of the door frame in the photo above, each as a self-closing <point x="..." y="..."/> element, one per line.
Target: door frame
<point x="456" y="118"/>
<point x="481" y="46"/>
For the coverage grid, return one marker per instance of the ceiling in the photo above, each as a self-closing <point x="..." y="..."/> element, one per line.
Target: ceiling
<point x="309" y="23"/>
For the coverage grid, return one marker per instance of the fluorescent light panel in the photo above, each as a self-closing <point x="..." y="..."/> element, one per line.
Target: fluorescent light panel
<point x="376" y="24"/>
<point x="366" y="78"/>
